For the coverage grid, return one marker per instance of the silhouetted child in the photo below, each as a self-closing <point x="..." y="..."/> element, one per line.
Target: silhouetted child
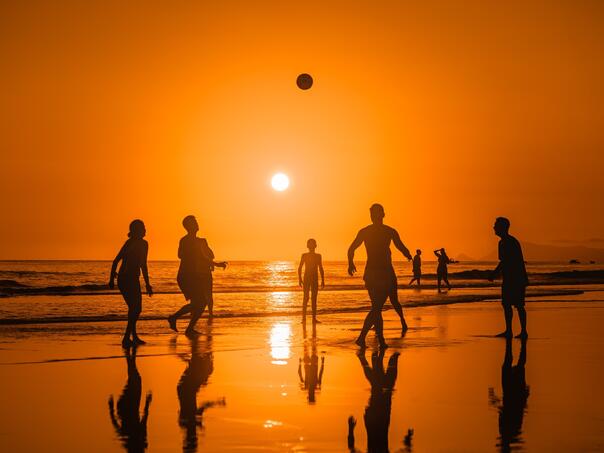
<point x="312" y="264"/>
<point x="133" y="256"/>
<point x="417" y="268"/>
<point x="442" y="273"/>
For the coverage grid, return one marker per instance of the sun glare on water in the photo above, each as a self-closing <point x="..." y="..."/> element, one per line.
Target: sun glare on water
<point x="280" y="182"/>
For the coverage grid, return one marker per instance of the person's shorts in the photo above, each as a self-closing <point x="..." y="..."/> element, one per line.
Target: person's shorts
<point x="196" y="287"/>
<point x="513" y="295"/>
<point x="311" y="284"/>
<point x="417" y="274"/>
<point x="130" y="288"/>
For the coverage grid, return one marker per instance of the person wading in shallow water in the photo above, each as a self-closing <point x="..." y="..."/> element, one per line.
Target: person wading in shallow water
<point x="194" y="275"/>
<point x="313" y="266"/>
<point x="379" y="276"/>
<point x="515" y="279"/>
<point x="133" y="256"/>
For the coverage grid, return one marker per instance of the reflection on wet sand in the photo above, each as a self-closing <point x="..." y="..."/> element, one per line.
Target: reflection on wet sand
<point x="512" y="404"/>
<point x="377" y="412"/>
<point x="280" y="342"/>
<point x="199" y="368"/>
<point x="311" y="376"/>
<point x="130" y="427"/>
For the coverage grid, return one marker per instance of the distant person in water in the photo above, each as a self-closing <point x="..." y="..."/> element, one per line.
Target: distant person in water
<point x="379" y="276"/>
<point x="133" y="256"/>
<point x="442" y="273"/>
<point x="194" y="275"/>
<point x="515" y="279"/>
<point x="313" y="265"/>
<point x="417" y="268"/>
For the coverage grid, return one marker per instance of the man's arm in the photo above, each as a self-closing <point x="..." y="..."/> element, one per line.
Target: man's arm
<point x="355" y="245"/>
<point x="116" y="261"/>
<point x="399" y="245"/>
<point x="300" y="270"/>
<point x="322" y="272"/>
<point x="145" y="270"/>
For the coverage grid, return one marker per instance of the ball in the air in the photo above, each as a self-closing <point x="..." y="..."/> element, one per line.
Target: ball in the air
<point x="304" y="81"/>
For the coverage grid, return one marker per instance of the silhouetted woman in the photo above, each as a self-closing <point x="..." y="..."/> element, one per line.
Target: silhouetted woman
<point x="133" y="256"/>
<point x="442" y="273"/>
<point x="131" y="428"/>
<point x="194" y="275"/>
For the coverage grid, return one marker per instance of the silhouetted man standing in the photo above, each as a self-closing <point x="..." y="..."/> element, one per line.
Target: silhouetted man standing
<point x="515" y="280"/>
<point x="379" y="276"/>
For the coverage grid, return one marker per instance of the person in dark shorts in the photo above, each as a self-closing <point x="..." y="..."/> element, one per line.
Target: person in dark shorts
<point x="133" y="256"/>
<point x="515" y="279"/>
<point x="379" y="276"/>
<point x="442" y="272"/>
<point x="313" y="265"/>
<point x="194" y="275"/>
<point x="417" y="268"/>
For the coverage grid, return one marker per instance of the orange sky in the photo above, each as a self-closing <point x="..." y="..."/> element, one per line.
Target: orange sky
<point x="448" y="116"/>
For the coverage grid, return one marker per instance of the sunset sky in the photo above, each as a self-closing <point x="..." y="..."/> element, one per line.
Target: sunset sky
<point x="447" y="115"/>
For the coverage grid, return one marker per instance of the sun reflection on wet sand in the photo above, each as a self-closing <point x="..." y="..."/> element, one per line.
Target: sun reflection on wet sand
<point x="280" y="341"/>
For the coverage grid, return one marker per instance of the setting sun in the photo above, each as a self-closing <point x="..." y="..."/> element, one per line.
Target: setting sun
<point x="280" y="182"/>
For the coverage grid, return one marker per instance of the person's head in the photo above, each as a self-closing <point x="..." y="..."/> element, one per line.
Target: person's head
<point x="311" y="244"/>
<point x="190" y="224"/>
<point x="376" y="211"/>
<point x="502" y="226"/>
<point x="137" y="230"/>
<point x="418" y="251"/>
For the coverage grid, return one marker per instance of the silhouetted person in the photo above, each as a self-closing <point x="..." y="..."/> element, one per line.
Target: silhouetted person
<point x="133" y="256"/>
<point x="194" y="275"/>
<point x="199" y="368"/>
<point x="130" y="427"/>
<point x="313" y="265"/>
<point x="512" y="404"/>
<point x="417" y="268"/>
<point x="377" y="412"/>
<point x="442" y="273"/>
<point x="379" y="276"/>
<point x="515" y="279"/>
<point x="312" y="376"/>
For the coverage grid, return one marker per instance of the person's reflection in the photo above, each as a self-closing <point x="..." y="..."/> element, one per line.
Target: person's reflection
<point x="377" y="412"/>
<point x="130" y="427"/>
<point x="512" y="404"/>
<point x="312" y="376"/>
<point x="199" y="368"/>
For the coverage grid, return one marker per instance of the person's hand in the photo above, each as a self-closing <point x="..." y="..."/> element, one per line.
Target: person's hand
<point x="111" y="284"/>
<point x="322" y="284"/>
<point x="149" y="397"/>
<point x="351" y="269"/>
<point x="150" y="290"/>
<point x="352" y="422"/>
<point x="300" y="283"/>
<point x="491" y="276"/>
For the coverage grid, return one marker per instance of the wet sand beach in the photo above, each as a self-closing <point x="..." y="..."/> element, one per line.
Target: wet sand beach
<point x="255" y="384"/>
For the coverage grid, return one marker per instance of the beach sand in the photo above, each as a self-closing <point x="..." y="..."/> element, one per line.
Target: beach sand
<point x="56" y="380"/>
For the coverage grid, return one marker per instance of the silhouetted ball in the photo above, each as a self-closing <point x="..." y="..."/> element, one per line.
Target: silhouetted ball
<point x="304" y="81"/>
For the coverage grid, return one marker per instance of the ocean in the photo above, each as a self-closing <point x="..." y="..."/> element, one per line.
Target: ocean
<point x="73" y="291"/>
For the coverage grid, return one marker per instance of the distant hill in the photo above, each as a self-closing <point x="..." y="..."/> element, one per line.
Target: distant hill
<point x="464" y="257"/>
<point x="540" y="252"/>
